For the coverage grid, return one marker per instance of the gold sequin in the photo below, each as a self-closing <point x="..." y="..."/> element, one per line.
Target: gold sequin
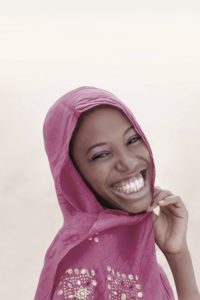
<point x="123" y="296"/>
<point x="130" y="276"/>
<point x="60" y="292"/>
<point x="123" y="276"/>
<point x="109" y="268"/>
<point x="82" y="293"/>
<point x="94" y="238"/>
<point x="94" y="282"/>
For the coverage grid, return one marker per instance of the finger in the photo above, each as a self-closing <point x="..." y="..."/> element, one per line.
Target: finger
<point x="173" y="205"/>
<point x="161" y="194"/>
<point x="171" y="200"/>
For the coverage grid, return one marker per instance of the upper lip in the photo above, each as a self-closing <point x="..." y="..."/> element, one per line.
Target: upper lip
<point x="131" y="175"/>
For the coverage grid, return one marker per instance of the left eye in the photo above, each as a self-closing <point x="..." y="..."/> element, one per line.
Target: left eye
<point x="99" y="155"/>
<point x="133" y="139"/>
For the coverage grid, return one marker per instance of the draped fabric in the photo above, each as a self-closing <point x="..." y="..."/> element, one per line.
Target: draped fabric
<point x="99" y="253"/>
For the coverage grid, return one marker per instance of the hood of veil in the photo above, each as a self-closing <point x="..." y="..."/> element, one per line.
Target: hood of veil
<point x="73" y="194"/>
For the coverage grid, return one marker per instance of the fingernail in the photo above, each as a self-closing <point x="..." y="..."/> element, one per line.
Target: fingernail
<point x="161" y="202"/>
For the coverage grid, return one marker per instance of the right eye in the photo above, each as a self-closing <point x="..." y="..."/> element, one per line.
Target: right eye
<point x="99" y="155"/>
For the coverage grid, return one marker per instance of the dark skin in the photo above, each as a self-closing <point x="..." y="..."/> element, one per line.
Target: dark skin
<point x="106" y="157"/>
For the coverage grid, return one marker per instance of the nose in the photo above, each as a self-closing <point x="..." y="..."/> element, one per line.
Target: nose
<point x="125" y="162"/>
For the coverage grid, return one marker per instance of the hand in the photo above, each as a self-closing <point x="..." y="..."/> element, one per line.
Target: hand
<point x="170" y="224"/>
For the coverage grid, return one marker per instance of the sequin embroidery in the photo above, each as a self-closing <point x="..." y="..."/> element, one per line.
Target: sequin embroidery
<point x="94" y="238"/>
<point x="77" y="284"/>
<point x="122" y="286"/>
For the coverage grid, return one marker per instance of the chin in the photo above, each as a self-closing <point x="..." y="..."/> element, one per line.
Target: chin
<point x="138" y="208"/>
<point x="135" y="212"/>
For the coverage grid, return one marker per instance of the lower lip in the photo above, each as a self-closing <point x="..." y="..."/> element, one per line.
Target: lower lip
<point x="134" y="195"/>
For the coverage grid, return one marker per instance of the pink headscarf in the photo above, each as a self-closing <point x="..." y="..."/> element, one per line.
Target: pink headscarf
<point x="99" y="253"/>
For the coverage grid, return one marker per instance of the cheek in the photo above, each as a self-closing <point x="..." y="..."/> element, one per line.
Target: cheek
<point x="97" y="176"/>
<point x="145" y="154"/>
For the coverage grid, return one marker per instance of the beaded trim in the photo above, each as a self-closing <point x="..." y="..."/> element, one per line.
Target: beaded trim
<point x="80" y="284"/>
<point x="77" y="284"/>
<point x="122" y="286"/>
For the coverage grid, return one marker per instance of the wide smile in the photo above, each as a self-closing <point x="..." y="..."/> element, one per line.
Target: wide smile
<point x="134" y="186"/>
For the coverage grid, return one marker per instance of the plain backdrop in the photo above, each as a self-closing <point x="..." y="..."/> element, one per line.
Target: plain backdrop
<point x="145" y="52"/>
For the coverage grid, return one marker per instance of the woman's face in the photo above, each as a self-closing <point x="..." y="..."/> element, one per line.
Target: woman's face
<point x="113" y="160"/>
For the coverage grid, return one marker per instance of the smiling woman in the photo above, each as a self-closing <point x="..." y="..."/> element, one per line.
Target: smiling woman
<point x="104" y="176"/>
<point x="113" y="162"/>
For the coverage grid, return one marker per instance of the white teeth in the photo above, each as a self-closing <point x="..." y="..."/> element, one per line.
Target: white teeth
<point x="137" y="184"/>
<point x="141" y="180"/>
<point x="132" y="185"/>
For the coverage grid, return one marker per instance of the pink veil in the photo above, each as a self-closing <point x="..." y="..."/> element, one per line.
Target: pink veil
<point x="98" y="253"/>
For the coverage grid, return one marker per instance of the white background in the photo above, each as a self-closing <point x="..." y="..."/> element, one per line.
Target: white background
<point x="145" y="52"/>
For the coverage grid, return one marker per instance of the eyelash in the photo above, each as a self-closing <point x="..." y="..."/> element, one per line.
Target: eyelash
<point x="99" y="155"/>
<point x="105" y="153"/>
<point x="137" y="137"/>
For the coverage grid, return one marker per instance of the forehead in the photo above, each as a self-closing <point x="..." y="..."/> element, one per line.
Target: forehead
<point x="103" y="117"/>
<point x="101" y="124"/>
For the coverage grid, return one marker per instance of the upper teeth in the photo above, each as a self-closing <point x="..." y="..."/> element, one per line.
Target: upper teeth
<point x="131" y="185"/>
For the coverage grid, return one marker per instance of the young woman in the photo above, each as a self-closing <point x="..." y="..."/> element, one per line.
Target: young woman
<point x="104" y="175"/>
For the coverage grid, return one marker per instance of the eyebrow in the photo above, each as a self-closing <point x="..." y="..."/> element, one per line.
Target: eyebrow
<point x="103" y="144"/>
